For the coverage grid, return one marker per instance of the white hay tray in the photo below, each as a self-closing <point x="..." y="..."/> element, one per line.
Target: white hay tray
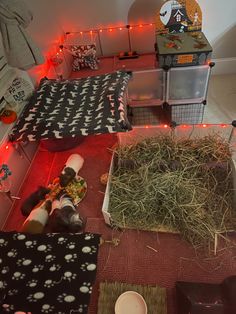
<point x="192" y="131"/>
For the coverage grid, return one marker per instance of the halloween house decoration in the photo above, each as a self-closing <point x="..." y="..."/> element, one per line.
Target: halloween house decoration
<point x="179" y="40"/>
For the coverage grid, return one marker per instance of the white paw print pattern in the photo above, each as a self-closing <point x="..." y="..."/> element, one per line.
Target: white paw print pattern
<point x="3" y="284"/>
<point x="18" y="275"/>
<point x="70" y="245"/>
<point x="12" y="292"/>
<point x="12" y="253"/>
<point x="89" y="249"/>
<point x="47" y="308"/>
<point x="61" y="240"/>
<point x="66" y="298"/>
<point x="35" y="297"/>
<point x="55" y="267"/>
<point x="82" y="307"/>
<point x="23" y="262"/>
<point x="50" y="235"/>
<point x="70" y="257"/>
<point x="30" y="244"/>
<point x="50" y="258"/>
<point x="88" y="236"/>
<point x="86" y="287"/>
<point x="68" y="275"/>
<point x="88" y="267"/>
<point x="3" y="242"/>
<point x="8" y="307"/>
<point x="49" y="283"/>
<point x="19" y="236"/>
<point x="37" y="268"/>
<point x="5" y="270"/>
<point x="44" y="248"/>
<point x="32" y="283"/>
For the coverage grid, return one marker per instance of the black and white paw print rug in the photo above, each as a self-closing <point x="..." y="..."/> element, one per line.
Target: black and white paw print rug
<point x="47" y="273"/>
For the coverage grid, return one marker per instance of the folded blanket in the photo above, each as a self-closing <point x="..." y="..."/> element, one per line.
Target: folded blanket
<point x="69" y="108"/>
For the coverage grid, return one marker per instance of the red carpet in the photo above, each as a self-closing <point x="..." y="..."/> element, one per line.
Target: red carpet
<point x="132" y="261"/>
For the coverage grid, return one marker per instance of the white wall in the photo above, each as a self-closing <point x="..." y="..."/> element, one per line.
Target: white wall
<point x="53" y="17"/>
<point x="219" y="25"/>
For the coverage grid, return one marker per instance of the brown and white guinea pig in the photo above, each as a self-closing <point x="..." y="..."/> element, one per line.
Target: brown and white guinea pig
<point x="33" y="200"/>
<point x="64" y="217"/>
<point x="38" y="218"/>
<point x="73" y="164"/>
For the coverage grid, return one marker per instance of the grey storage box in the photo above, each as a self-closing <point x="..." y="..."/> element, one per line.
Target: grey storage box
<point x="182" y="49"/>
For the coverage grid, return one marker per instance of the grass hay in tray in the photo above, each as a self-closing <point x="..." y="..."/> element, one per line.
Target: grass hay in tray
<point x="183" y="185"/>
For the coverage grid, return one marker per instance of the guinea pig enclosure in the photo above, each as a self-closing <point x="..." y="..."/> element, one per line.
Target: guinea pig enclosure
<point x="118" y="173"/>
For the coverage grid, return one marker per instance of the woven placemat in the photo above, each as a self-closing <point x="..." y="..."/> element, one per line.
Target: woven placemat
<point x="154" y="296"/>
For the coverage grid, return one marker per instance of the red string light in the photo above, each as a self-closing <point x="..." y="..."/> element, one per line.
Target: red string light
<point x="110" y="29"/>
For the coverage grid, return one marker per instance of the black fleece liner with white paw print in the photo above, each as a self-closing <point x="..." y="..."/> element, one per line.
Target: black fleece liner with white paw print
<point x="47" y="273"/>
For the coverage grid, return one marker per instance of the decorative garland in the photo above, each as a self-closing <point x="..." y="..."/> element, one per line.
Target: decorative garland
<point x="6" y="172"/>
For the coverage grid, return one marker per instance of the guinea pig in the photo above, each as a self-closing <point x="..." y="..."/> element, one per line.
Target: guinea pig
<point x="64" y="217"/>
<point x="73" y="164"/>
<point x="33" y="200"/>
<point x="38" y="218"/>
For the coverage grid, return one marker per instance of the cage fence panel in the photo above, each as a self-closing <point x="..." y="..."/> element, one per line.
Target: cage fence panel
<point x="150" y="115"/>
<point x="187" y="113"/>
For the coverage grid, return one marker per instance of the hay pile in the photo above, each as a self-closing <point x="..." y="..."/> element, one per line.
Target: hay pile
<point x="183" y="184"/>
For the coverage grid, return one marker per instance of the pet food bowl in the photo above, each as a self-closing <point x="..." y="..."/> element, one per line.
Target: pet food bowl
<point x="130" y="302"/>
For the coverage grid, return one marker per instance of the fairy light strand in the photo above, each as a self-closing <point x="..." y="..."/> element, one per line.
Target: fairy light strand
<point x="110" y="29"/>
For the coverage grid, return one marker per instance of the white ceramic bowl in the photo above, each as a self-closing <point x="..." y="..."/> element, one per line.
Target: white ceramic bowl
<point x="130" y="302"/>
